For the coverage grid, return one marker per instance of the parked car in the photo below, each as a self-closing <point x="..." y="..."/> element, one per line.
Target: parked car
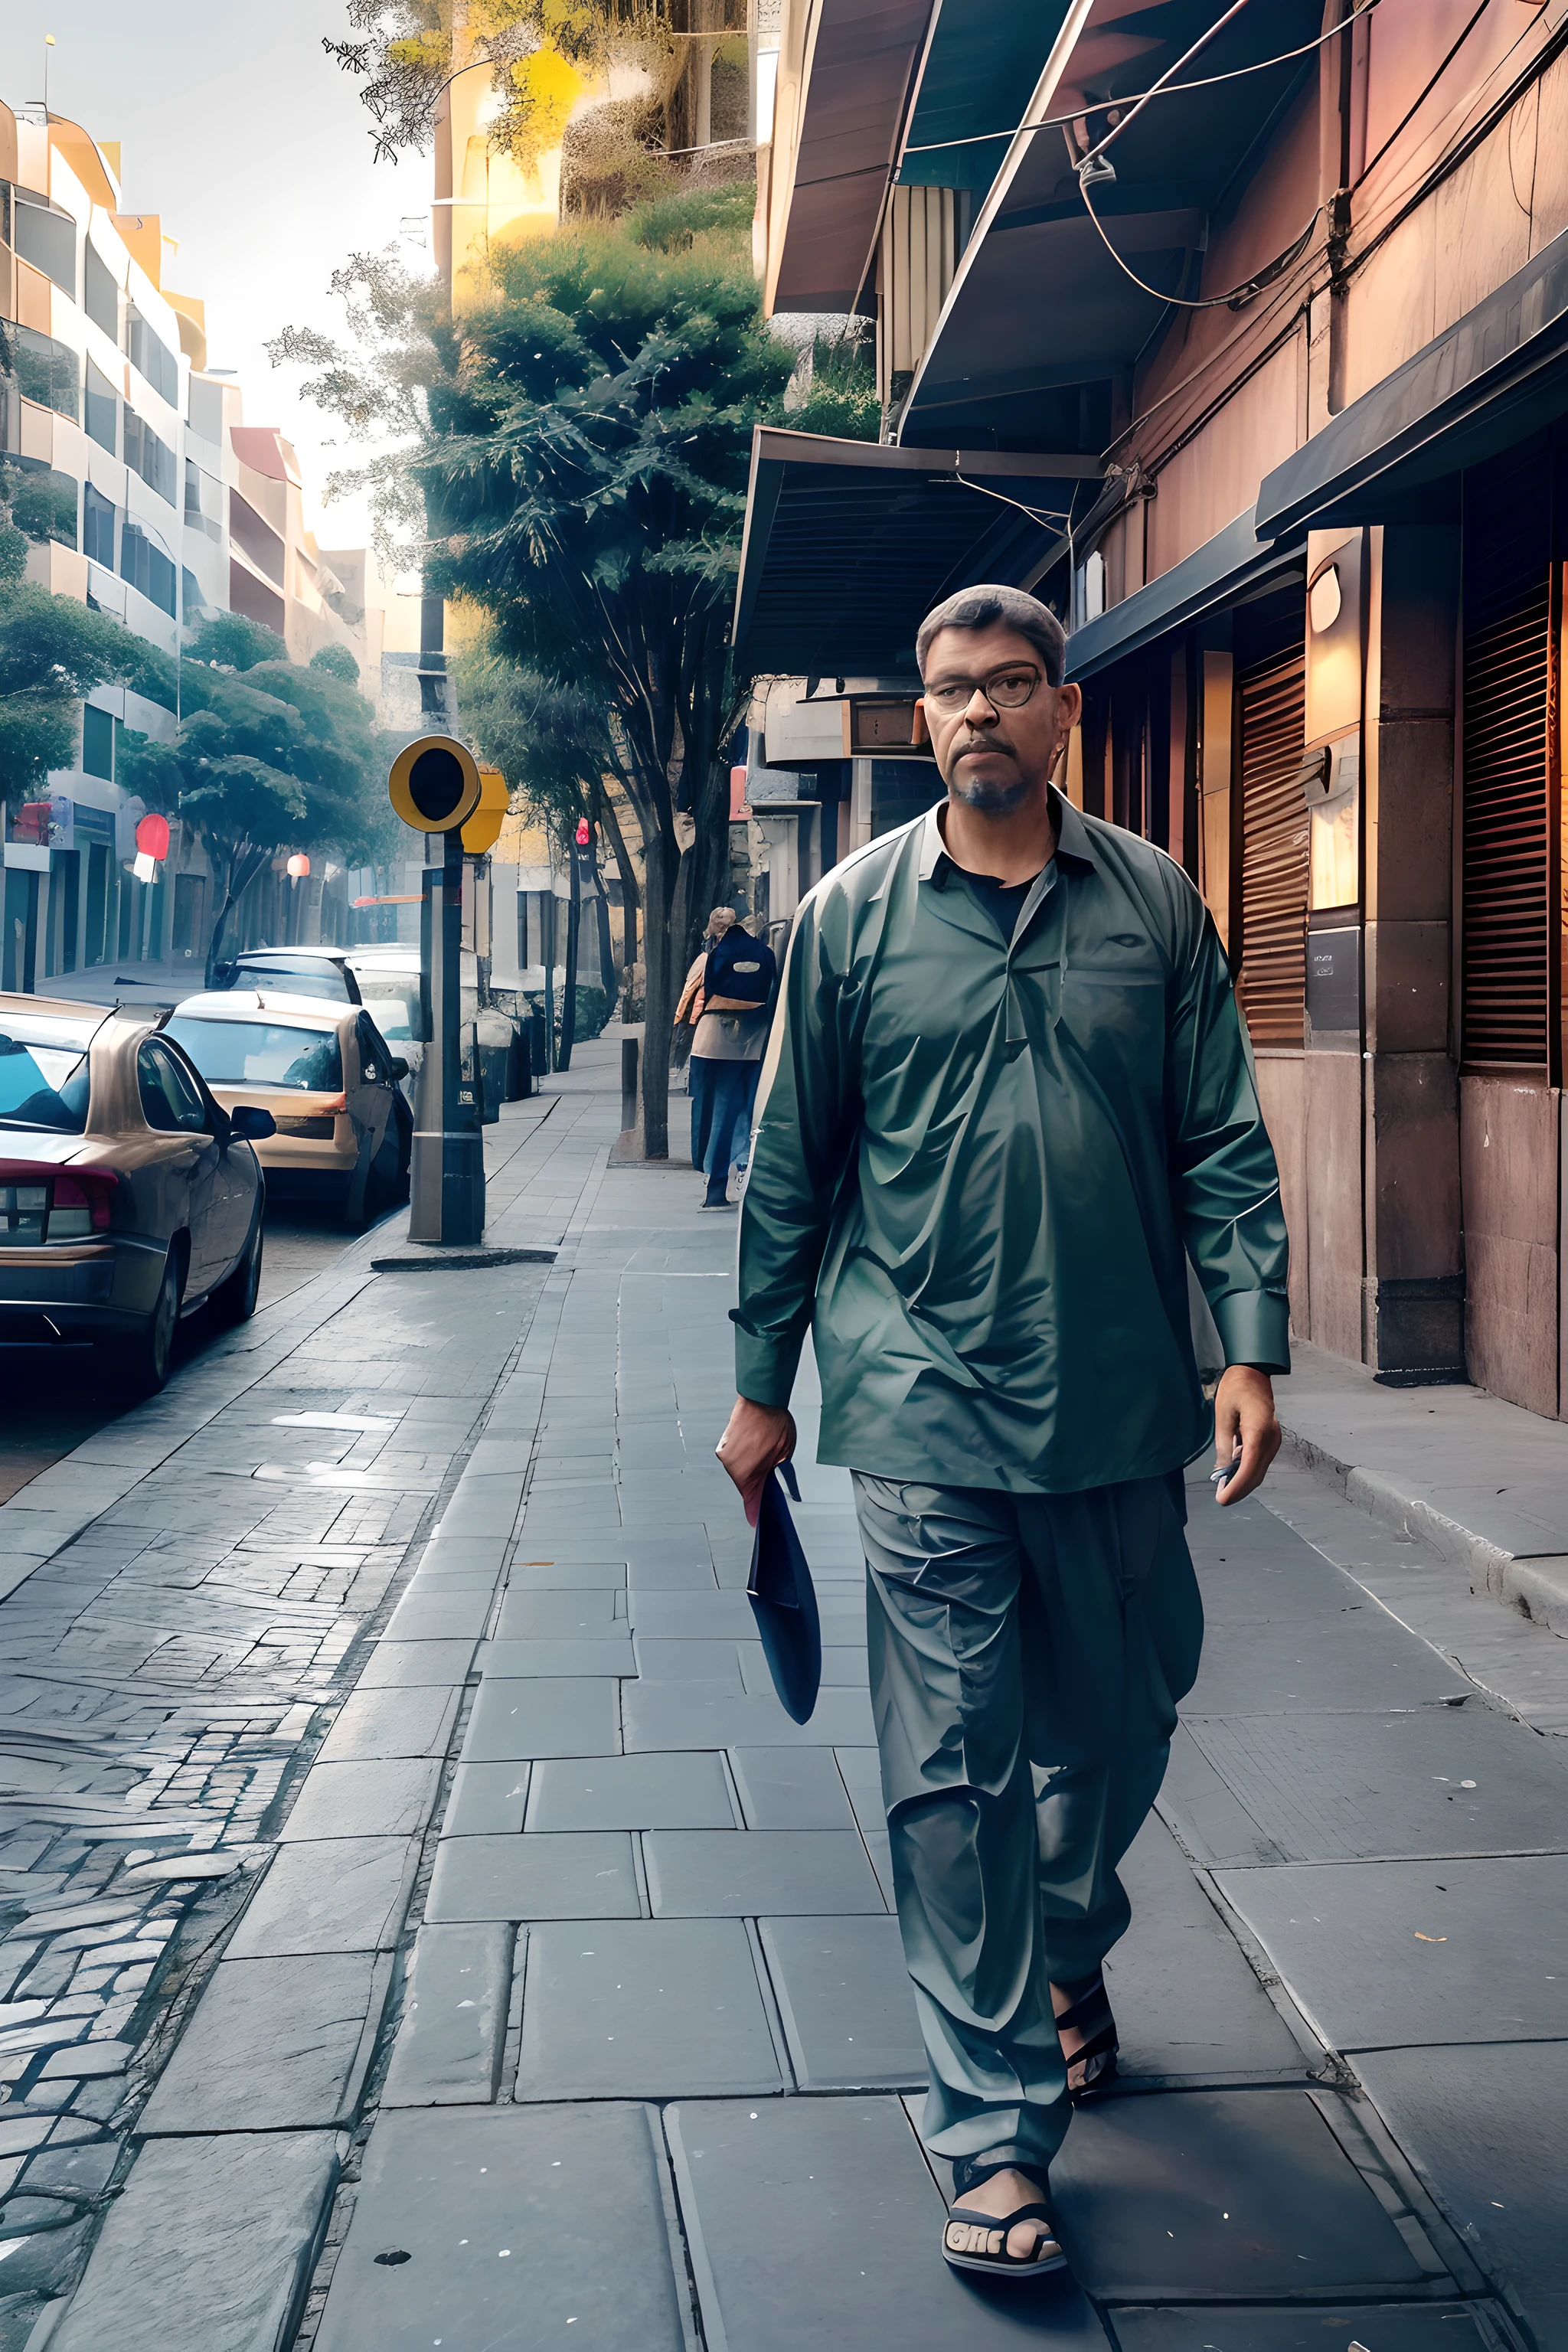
<point x="302" y="972"/>
<point x="387" y="979"/>
<point x="129" y="1196"/>
<point x="341" y="1129"/>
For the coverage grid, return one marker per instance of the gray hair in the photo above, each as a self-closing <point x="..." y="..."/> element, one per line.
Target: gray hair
<point x="993" y="607"/>
<point x="722" y="918"/>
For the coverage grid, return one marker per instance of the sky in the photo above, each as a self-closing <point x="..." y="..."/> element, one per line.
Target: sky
<point x="238" y="129"/>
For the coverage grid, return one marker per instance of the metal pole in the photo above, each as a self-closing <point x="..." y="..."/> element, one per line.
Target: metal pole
<point x="447" y="1170"/>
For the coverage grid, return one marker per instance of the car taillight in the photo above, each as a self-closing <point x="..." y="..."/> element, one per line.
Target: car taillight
<point x="44" y="1203"/>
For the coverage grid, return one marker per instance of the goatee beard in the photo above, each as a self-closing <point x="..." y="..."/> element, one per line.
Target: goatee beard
<point x="990" y="793"/>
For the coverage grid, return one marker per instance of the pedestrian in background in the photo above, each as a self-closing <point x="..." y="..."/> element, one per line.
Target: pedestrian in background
<point x="689" y="1011"/>
<point x="739" y="981"/>
<point x="1008" y="1098"/>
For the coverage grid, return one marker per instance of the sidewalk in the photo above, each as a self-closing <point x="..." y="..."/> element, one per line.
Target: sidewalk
<point x="1485" y="1483"/>
<point x="557" y="1998"/>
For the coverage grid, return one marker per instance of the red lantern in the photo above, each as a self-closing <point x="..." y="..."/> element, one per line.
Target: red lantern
<point x="299" y="865"/>
<point x="152" y="836"/>
<point x="584" y="835"/>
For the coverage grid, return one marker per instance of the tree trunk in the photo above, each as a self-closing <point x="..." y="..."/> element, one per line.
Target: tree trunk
<point x="569" y="972"/>
<point x="660" y="860"/>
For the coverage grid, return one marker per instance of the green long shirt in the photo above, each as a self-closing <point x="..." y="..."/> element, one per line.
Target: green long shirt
<point x="980" y="1169"/>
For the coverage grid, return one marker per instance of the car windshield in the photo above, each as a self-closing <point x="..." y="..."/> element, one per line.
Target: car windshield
<point x="261" y="1053"/>
<point x="393" y="1009"/>
<point x="43" y="1073"/>
<point x="290" y="978"/>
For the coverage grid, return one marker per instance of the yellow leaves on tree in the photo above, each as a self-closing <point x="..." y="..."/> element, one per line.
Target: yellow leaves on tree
<point x="547" y="87"/>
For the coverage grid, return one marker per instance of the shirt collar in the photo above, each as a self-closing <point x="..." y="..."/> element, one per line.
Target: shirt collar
<point x="1075" y="844"/>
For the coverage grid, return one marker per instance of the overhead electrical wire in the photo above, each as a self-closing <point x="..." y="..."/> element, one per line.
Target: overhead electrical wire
<point x="1164" y="88"/>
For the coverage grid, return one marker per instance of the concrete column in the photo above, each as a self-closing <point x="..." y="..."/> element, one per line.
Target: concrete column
<point x="1412" y="1289"/>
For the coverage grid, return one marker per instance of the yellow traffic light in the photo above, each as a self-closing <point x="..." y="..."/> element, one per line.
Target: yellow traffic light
<point x="434" y="784"/>
<point x="481" y="831"/>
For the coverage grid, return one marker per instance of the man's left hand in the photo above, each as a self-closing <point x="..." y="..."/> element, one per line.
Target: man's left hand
<point x="1246" y="1430"/>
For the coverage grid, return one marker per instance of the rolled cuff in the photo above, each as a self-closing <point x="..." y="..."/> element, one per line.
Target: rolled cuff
<point x="765" y="1368"/>
<point x="1254" y="1327"/>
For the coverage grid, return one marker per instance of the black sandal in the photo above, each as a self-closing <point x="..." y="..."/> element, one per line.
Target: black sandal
<point x="972" y="2241"/>
<point x="1091" y="2014"/>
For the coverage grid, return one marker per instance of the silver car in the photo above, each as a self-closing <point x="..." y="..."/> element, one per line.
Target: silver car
<point x="128" y="1197"/>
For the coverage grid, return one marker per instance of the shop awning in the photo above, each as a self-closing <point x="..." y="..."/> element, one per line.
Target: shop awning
<point x="863" y="58"/>
<point x="849" y="543"/>
<point x="1498" y="374"/>
<point x="1232" y="565"/>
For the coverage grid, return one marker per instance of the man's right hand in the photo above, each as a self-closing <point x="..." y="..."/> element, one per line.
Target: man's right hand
<point x="757" y="1438"/>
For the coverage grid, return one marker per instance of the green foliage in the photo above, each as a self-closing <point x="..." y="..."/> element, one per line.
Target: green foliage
<point x="338" y="662"/>
<point x="841" y="398"/>
<point x="53" y="652"/>
<point x="672" y="224"/>
<point x="228" y="641"/>
<point x="42" y="502"/>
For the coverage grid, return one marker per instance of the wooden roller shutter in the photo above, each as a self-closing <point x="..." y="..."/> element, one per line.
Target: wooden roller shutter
<point x="1509" y="750"/>
<point x="1271" y="708"/>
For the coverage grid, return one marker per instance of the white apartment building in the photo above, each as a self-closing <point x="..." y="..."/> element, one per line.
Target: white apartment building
<point x="150" y="500"/>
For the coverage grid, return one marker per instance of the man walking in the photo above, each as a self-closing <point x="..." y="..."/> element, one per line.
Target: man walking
<point x="1006" y="1097"/>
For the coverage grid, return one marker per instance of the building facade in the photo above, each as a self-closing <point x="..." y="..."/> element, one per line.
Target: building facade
<point x="145" y="496"/>
<point x="1284" y="347"/>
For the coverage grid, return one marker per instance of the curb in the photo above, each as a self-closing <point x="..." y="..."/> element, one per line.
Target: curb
<point x="1536" y="1588"/>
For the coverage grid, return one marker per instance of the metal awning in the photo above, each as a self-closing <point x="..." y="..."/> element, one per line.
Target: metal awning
<point x="1232" y="565"/>
<point x="1498" y="374"/>
<point x="862" y="64"/>
<point x="983" y="57"/>
<point x="849" y="544"/>
<point x="1040" y="313"/>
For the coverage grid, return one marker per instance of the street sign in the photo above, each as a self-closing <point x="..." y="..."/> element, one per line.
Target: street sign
<point x="483" y="828"/>
<point x="434" y="784"/>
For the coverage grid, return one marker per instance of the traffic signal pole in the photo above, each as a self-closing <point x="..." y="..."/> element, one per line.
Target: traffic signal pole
<point x="436" y="786"/>
<point x="447" y="1169"/>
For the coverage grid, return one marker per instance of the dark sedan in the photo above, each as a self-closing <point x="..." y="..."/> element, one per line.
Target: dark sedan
<point x="128" y="1197"/>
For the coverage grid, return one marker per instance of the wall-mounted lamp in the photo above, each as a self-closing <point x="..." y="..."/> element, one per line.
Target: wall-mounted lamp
<point x="1325" y="599"/>
<point x="299" y="867"/>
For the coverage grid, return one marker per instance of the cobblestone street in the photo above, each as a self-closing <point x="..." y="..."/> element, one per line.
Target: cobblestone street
<point x="425" y="1927"/>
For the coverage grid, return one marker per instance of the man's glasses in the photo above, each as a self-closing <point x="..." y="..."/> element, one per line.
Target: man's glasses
<point x="1004" y="690"/>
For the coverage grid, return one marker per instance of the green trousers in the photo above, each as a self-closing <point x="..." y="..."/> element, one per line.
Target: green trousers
<point x="1027" y="1653"/>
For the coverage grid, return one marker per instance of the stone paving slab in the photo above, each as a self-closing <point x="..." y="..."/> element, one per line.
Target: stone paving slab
<point x="791" y="1788"/>
<point x="329" y="1895"/>
<point x="1226" y="2196"/>
<point x="274" y="2045"/>
<point x="587" y="1875"/>
<point x="1251" y="2328"/>
<point x="364" y="1799"/>
<point x="207" y="2248"/>
<point x="731" y="1874"/>
<point x="1483" y="2125"/>
<point x="486" y="1800"/>
<point x="1338" y="1787"/>
<point x="631" y="1792"/>
<point x="523" y="2227"/>
<point x="845" y="2001"/>
<point x="851" y="2255"/>
<point x="449" y="2043"/>
<point x="512" y="1722"/>
<point x="1417" y="1951"/>
<point x="376" y="1726"/>
<point x="655" y="2009"/>
<point x="398" y="1666"/>
<point x="691" y="1714"/>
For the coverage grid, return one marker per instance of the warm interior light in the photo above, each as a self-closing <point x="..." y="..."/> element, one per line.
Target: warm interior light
<point x="299" y="865"/>
<point x="1325" y="601"/>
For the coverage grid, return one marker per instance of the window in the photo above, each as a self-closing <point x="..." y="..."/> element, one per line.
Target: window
<point x="43" y="502"/>
<point x="100" y="295"/>
<point x="47" y="371"/>
<point x="170" y="1100"/>
<point x="192" y="595"/>
<point x="147" y="567"/>
<point x="45" y="236"/>
<point x="98" y="739"/>
<point x="257" y="539"/>
<point x="149" y="457"/>
<point x="43" y="1073"/>
<point x="204" y="501"/>
<point x="98" y="534"/>
<point x="150" y="357"/>
<point x="102" y="419"/>
<point x="261" y="1053"/>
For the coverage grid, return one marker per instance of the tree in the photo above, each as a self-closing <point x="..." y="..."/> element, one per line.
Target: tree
<point x="53" y="653"/>
<point x="267" y="754"/>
